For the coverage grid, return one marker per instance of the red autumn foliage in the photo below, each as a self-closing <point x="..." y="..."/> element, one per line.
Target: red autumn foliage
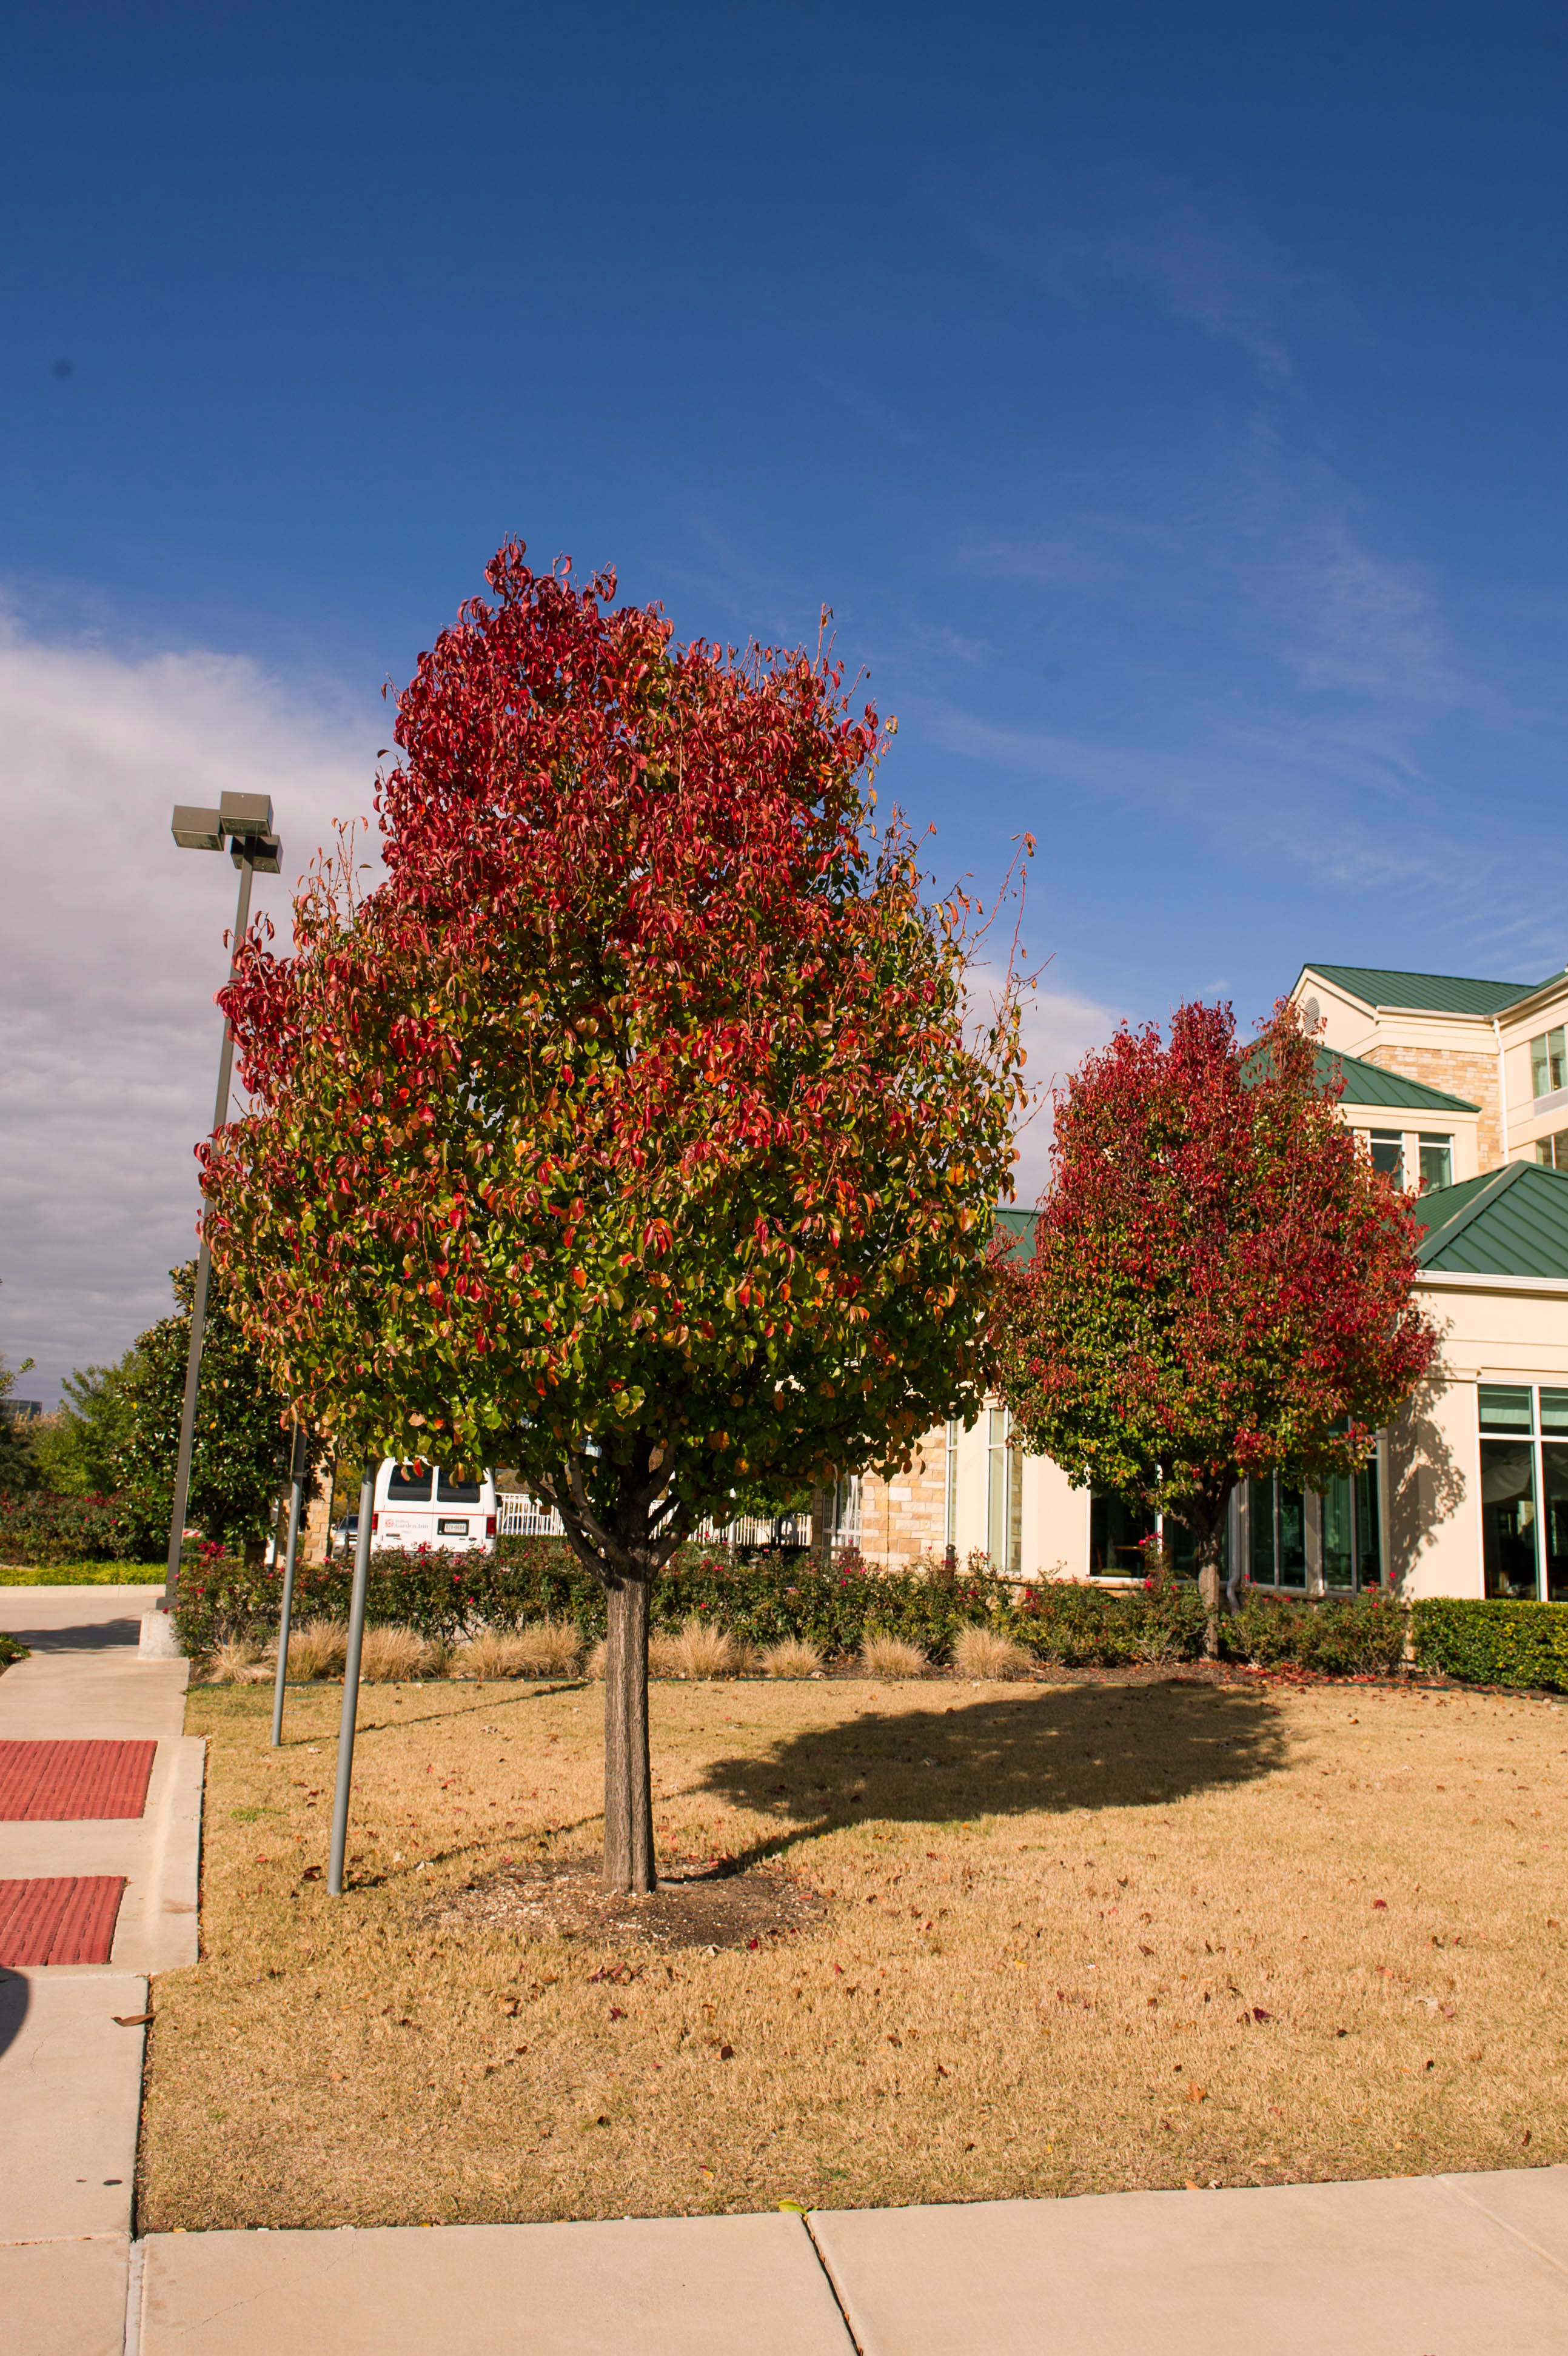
<point x="1220" y="1285"/>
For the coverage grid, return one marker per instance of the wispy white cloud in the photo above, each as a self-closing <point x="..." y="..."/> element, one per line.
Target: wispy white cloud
<point x="1190" y="254"/>
<point x="114" y="947"/>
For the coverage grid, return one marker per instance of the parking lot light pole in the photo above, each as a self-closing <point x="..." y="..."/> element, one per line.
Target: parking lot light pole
<point x="245" y="821"/>
<point x="338" y="1854"/>
<point x="299" y="1464"/>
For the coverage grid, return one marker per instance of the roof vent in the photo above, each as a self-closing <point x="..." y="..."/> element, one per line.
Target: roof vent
<point x="1311" y="1012"/>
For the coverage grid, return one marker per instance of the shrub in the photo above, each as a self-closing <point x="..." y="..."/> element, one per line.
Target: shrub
<point x="1494" y="1644"/>
<point x="789" y="1658"/>
<point x="47" y="1528"/>
<point x="1342" y="1636"/>
<point x="891" y="1656"/>
<point x="11" y="1651"/>
<point x="982" y="1652"/>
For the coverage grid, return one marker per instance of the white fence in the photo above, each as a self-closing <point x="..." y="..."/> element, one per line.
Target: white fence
<point x="522" y="1516"/>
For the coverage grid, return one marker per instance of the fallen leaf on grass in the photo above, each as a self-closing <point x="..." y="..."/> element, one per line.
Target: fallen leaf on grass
<point x="1197" y="2094"/>
<point x="132" y="2020"/>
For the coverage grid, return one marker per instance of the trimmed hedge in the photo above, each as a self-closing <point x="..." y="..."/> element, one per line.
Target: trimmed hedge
<point x="44" y="1528"/>
<point x="443" y="1596"/>
<point x="1492" y="1644"/>
<point x="768" y="1598"/>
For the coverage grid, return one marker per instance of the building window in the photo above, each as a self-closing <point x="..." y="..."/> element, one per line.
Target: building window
<point x="1276" y="1533"/>
<point x="1352" y="1542"/>
<point x="1548" y="1064"/>
<point x="1552" y="1153"/>
<point x="950" y="1501"/>
<point x="1524" y="1490"/>
<point x="1386" y="1148"/>
<point x="1436" y="1162"/>
<point x="1004" y="1495"/>
<point x="1119" y="1528"/>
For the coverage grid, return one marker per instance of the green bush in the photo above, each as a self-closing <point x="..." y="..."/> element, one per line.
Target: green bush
<point x="1341" y="1636"/>
<point x="443" y="1596"/>
<point x="1493" y="1643"/>
<point x="10" y="1650"/>
<point x="45" y="1528"/>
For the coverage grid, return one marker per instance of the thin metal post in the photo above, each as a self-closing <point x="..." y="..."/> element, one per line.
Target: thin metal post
<point x="203" y="1272"/>
<point x="298" y="1461"/>
<point x="351" y="1686"/>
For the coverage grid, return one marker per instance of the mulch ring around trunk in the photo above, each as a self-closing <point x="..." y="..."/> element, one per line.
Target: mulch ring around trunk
<point x="706" y="1906"/>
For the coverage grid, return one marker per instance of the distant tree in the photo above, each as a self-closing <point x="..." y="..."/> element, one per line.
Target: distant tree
<point x="77" y="1447"/>
<point x="1221" y="1284"/>
<point x="629" y="1133"/>
<point x="240" y="1457"/>
<point x="18" y="1466"/>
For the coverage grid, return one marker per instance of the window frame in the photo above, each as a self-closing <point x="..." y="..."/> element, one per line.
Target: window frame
<point x="1537" y="1436"/>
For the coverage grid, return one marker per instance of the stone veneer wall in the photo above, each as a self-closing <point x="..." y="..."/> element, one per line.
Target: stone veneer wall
<point x="1472" y="1076"/>
<point x="907" y="1517"/>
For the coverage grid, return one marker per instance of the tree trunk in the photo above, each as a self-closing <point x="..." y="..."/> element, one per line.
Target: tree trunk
<point x="1207" y="1550"/>
<point x="1207" y="1525"/>
<point x="821" y="1532"/>
<point x="629" y="1786"/>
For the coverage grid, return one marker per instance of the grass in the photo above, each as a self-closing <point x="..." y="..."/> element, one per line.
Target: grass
<point x="81" y="1574"/>
<point x="1079" y="1937"/>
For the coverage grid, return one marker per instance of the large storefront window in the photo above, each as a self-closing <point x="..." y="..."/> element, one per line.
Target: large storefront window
<point x="1352" y="1548"/>
<point x="1524" y="1490"/>
<point x="1276" y="1533"/>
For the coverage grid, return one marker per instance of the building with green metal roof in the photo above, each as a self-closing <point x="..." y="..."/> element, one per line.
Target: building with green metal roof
<point x="1497" y="1047"/>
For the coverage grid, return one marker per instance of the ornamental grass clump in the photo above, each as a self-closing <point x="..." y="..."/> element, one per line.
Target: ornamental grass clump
<point x="791" y="1658"/>
<point x="698" y="1650"/>
<point x="237" y="1661"/>
<point x="393" y="1655"/>
<point x="318" y="1649"/>
<point x="982" y="1652"/>
<point x="891" y="1656"/>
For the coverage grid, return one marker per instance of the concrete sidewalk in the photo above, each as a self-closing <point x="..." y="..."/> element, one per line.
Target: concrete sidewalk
<point x="70" y="2074"/>
<point x="1414" y="2266"/>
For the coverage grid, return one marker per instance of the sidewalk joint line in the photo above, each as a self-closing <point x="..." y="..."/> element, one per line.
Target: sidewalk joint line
<point x="833" y="2287"/>
<point x="1455" y="2186"/>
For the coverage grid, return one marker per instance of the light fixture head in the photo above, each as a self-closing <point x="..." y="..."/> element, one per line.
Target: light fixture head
<point x="246" y="813"/>
<point x="262" y="851"/>
<point x="197" y="829"/>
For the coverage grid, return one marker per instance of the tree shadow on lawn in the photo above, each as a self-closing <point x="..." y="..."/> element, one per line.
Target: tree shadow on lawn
<point x="1068" y="1748"/>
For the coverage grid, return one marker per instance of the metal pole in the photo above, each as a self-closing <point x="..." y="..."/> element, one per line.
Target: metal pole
<point x="352" y="1686"/>
<point x="297" y="1463"/>
<point x="203" y="1272"/>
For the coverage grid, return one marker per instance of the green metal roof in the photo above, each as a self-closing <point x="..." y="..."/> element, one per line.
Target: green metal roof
<point x="1368" y="1084"/>
<point x="1508" y="1222"/>
<point x="1441" y="993"/>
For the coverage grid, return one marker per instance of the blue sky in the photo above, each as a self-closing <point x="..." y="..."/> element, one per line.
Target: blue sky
<point x="1169" y="405"/>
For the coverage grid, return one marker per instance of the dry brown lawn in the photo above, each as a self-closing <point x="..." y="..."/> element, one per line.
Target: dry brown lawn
<point x="1076" y="1937"/>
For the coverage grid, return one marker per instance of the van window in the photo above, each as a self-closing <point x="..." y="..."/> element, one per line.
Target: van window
<point x="449" y="1492"/>
<point x="409" y="1485"/>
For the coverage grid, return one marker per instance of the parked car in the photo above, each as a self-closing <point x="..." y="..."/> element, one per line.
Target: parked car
<point x="416" y="1503"/>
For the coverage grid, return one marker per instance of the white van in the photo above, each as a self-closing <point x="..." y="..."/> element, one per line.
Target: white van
<point x="416" y="1505"/>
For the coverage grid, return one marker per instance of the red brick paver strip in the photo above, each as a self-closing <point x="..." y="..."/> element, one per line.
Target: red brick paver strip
<point x="54" y="1783"/>
<point x="65" y="1919"/>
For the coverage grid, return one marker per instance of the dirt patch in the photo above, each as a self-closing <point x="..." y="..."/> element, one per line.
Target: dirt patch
<point x="701" y="1906"/>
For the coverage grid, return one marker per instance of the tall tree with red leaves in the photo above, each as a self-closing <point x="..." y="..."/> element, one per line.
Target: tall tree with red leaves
<point x="629" y="1132"/>
<point x="1220" y="1283"/>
